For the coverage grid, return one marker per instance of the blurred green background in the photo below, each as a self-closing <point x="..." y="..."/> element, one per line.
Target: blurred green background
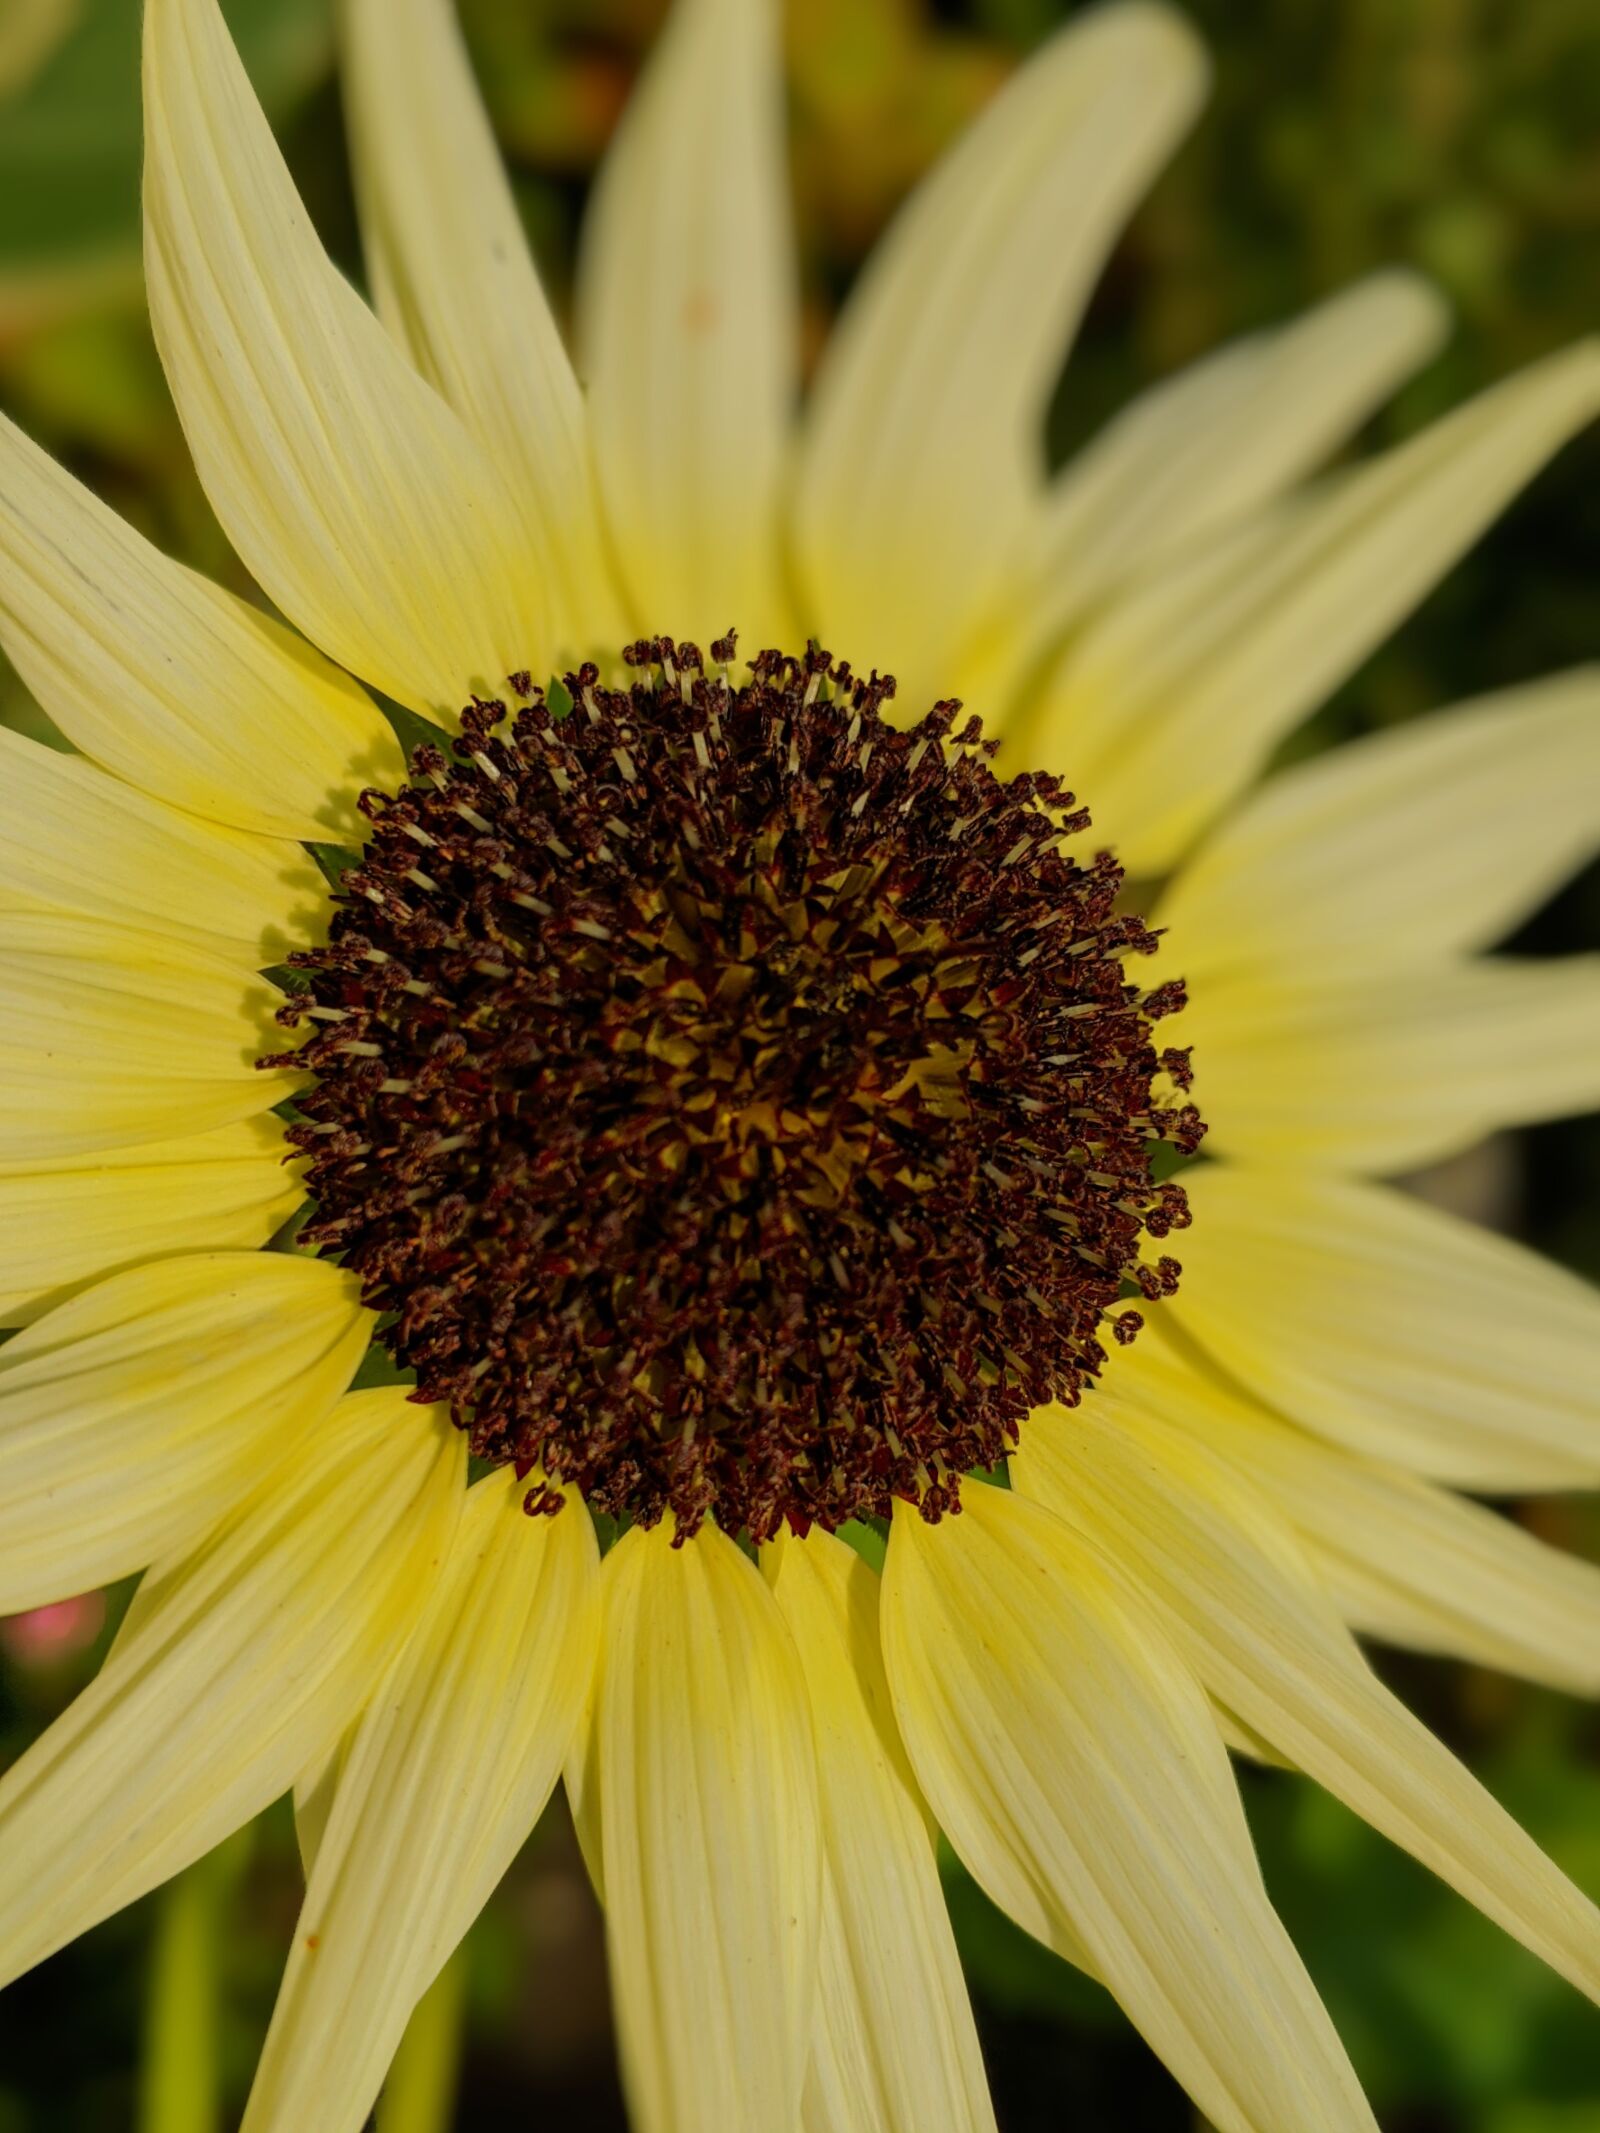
<point x="1462" y="136"/>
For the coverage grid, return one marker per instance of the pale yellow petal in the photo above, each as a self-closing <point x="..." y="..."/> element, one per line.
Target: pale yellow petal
<point x="1416" y="1565"/>
<point x="709" y="1833"/>
<point x="1393" y="1328"/>
<point x="895" y="2048"/>
<point x="1223" y="438"/>
<point x="1404" y="1559"/>
<point x="1244" y="1740"/>
<point x="110" y="1037"/>
<point x="65" y="1220"/>
<point x="315" y="1790"/>
<point x="354" y="495"/>
<point x="246" y="1660"/>
<point x="1245" y="1608"/>
<point x="134" y="1414"/>
<point x="1428" y="840"/>
<point x="446" y="1774"/>
<point x="1388" y="1071"/>
<point x="581" y="1782"/>
<point x="166" y="679"/>
<point x="923" y="448"/>
<point x="1173" y="697"/>
<point x="453" y="280"/>
<point x="1072" y="1761"/>
<point x="688" y="327"/>
<point x="74" y="839"/>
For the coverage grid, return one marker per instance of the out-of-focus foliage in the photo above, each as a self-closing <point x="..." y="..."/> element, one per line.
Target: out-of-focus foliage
<point x="69" y="140"/>
<point x="1462" y="136"/>
<point x="77" y="366"/>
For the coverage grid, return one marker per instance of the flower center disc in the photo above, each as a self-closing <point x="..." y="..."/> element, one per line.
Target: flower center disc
<point x="736" y="1104"/>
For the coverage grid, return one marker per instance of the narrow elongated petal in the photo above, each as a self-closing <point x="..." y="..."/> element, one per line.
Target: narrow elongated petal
<point x="1393" y="1328"/>
<point x="1404" y="1559"/>
<point x="1426" y="841"/>
<point x="65" y="1220"/>
<point x="454" y="282"/>
<point x="133" y="1416"/>
<point x="166" y="679"/>
<point x="581" y="1782"/>
<point x="1170" y="702"/>
<point x="315" y="1790"/>
<point x="109" y="1037"/>
<point x="1386" y="1072"/>
<point x="687" y="318"/>
<point x="243" y="1662"/>
<point x="1224" y="437"/>
<point x="74" y="839"/>
<point x="447" y="1773"/>
<point x="924" y="446"/>
<point x="351" y="491"/>
<point x="1246" y="1610"/>
<point x="1416" y="1565"/>
<point x="895" y="2048"/>
<point x="1071" y="1759"/>
<point x="709" y="1836"/>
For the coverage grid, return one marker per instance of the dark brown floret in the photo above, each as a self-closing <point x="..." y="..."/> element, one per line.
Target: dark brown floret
<point x="739" y="1104"/>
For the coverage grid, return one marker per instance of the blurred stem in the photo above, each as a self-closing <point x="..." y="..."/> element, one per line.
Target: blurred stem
<point x="179" y="2076"/>
<point x="420" y="2094"/>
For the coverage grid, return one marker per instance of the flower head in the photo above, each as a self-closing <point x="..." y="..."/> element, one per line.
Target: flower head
<point x="738" y="1103"/>
<point x="742" y="1104"/>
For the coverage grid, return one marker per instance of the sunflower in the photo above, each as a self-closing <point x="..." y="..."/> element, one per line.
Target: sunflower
<point x="726" y="1094"/>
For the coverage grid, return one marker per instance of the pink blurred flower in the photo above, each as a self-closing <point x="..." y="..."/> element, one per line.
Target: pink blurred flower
<point x="44" y="1636"/>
